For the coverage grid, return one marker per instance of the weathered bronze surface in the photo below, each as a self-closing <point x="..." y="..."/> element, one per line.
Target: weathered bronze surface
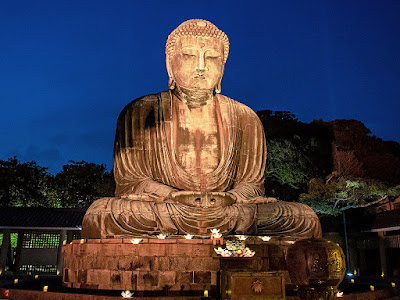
<point x="190" y="159"/>
<point x="317" y="266"/>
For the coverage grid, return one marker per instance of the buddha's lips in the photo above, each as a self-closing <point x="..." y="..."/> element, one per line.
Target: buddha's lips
<point x="199" y="76"/>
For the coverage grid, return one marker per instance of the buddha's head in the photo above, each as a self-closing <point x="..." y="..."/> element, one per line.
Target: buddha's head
<point x="196" y="53"/>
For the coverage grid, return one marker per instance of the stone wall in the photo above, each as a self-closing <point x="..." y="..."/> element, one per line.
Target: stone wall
<point x="175" y="264"/>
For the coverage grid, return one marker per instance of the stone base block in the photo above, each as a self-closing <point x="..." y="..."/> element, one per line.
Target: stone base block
<point x="175" y="264"/>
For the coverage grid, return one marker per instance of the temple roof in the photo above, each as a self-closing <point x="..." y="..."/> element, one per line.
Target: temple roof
<point x="387" y="221"/>
<point x="41" y="217"/>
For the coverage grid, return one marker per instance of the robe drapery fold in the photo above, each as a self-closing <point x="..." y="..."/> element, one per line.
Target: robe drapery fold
<point x="145" y="160"/>
<point x="147" y="171"/>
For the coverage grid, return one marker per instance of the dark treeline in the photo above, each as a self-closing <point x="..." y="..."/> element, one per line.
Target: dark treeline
<point x="327" y="165"/>
<point x="77" y="185"/>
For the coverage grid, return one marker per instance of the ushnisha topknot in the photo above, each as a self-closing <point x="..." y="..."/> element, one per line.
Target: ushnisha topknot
<point x="197" y="27"/>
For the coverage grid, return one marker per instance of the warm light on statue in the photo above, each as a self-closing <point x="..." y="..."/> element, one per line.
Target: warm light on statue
<point x="188" y="236"/>
<point x="127" y="294"/>
<point x="215" y="234"/>
<point x="188" y="162"/>
<point x="161" y="236"/>
<point x="136" y="241"/>
<point x="266" y="238"/>
<point x="191" y="151"/>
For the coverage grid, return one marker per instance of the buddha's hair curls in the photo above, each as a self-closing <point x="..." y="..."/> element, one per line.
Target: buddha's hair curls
<point x="196" y="27"/>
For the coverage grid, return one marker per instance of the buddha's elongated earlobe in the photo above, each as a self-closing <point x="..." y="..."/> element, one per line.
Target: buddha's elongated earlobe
<point x="218" y="87"/>
<point x="171" y="84"/>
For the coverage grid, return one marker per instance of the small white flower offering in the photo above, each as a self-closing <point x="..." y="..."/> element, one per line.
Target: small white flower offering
<point x="161" y="236"/>
<point x="126" y="294"/>
<point x="235" y="245"/>
<point x="266" y="238"/>
<point x="215" y="234"/>
<point x="242" y="237"/>
<point x="339" y="294"/>
<point x="246" y="252"/>
<point x="136" y="241"/>
<point x="188" y="236"/>
<point x="219" y="250"/>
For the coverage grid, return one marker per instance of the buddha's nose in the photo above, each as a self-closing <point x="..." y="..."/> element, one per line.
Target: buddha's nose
<point x="201" y="65"/>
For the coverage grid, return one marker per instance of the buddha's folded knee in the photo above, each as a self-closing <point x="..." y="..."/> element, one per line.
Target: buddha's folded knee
<point x="100" y="205"/>
<point x="284" y="208"/>
<point x="288" y="219"/>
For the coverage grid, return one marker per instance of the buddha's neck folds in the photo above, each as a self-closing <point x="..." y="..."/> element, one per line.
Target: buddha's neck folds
<point x="194" y="98"/>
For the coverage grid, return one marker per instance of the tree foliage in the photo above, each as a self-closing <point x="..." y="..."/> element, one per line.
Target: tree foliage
<point x="80" y="183"/>
<point x="29" y="185"/>
<point x="379" y="159"/>
<point x="301" y="156"/>
<point x="332" y="196"/>
<point x="26" y="184"/>
<point x="297" y="152"/>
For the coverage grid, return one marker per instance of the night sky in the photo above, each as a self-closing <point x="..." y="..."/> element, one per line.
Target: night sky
<point x="67" y="68"/>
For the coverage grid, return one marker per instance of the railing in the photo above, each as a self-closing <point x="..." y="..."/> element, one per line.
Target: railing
<point x="393" y="241"/>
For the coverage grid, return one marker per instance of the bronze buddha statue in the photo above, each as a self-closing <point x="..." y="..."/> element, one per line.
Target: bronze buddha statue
<point x="189" y="160"/>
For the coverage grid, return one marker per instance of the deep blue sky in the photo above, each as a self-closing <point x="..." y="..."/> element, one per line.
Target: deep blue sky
<point x="67" y="68"/>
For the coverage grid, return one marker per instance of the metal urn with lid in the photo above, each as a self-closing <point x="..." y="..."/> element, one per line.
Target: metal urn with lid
<point x="316" y="266"/>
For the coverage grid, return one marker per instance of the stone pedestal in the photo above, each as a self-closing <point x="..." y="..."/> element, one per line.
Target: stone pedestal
<point x="175" y="264"/>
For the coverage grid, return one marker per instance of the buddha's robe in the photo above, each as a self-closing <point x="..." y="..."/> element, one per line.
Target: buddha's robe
<point x="148" y="170"/>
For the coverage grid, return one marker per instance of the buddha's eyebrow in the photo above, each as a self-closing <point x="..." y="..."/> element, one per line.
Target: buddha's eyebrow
<point x="188" y="48"/>
<point x="213" y="50"/>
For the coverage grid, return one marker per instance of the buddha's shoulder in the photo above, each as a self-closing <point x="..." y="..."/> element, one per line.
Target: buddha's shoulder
<point x="142" y="104"/>
<point x="238" y="106"/>
<point x="148" y="100"/>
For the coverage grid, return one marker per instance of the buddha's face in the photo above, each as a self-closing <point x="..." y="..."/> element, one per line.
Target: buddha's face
<point x="198" y="62"/>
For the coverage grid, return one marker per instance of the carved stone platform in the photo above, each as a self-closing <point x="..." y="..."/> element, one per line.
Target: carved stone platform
<point x="176" y="264"/>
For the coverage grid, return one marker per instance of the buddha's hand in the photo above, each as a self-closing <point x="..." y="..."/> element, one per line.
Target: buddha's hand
<point x="257" y="200"/>
<point x="143" y="197"/>
<point x="203" y="199"/>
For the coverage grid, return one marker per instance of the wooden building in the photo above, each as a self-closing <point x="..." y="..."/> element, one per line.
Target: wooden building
<point x="31" y="238"/>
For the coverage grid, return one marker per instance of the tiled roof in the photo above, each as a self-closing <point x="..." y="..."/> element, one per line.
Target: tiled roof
<point x="387" y="219"/>
<point x="40" y="217"/>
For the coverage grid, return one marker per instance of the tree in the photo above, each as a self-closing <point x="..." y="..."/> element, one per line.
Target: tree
<point x="26" y="184"/>
<point x="80" y="183"/>
<point x="297" y="152"/>
<point x="333" y="196"/>
<point x="288" y="170"/>
<point x="379" y="159"/>
<point x="345" y="163"/>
